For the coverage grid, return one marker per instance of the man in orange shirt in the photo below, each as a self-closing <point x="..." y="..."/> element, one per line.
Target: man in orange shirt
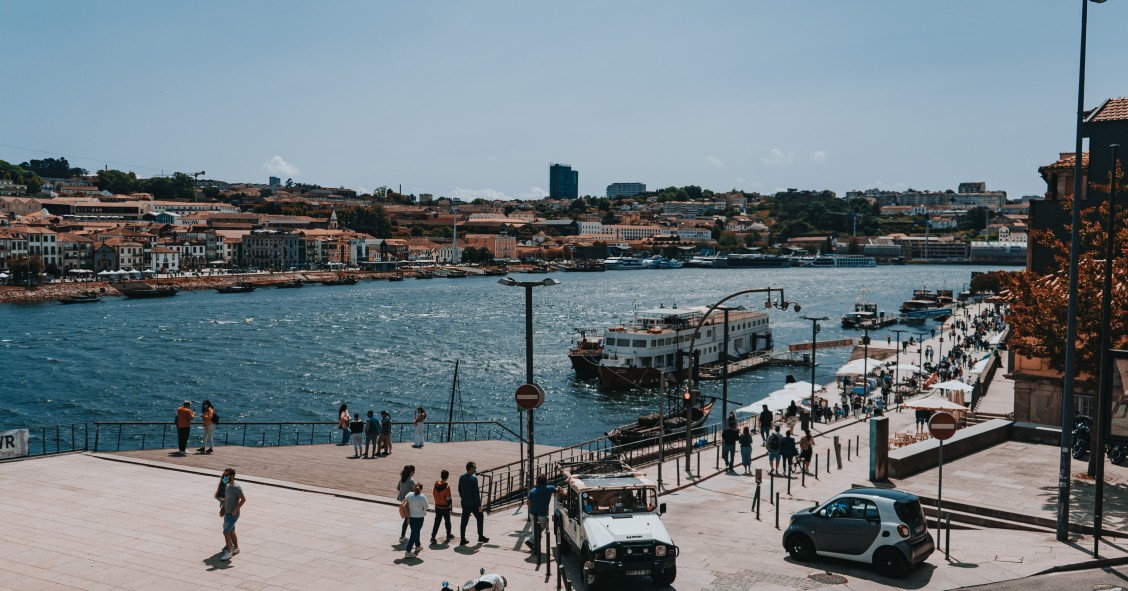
<point x="184" y="416"/>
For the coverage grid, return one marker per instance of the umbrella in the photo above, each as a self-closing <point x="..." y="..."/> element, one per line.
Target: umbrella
<point x="904" y="367"/>
<point x="953" y="385"/>
<point x="858" y="366"/>
<point x="934" y="404"/>
<point x="798" y="392"/>
<point x="106" y="273"/>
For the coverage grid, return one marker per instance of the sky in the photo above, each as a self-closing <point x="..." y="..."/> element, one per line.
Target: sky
<point x="475" y="99"/>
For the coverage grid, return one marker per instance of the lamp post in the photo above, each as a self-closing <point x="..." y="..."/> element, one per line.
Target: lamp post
<point x="1071" y="310"/>
<point x="897" y="367"/>
<point x="920" y="362"/>
<point x="865" y="364"/>
<point x="815" y="320"/>
<point x="529" y="476"/>
<point x="1104" y="394"/>
<point x="690" y="394"/>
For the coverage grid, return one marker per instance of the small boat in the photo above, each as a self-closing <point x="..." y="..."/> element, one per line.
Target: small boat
<point x="494" y="271"/>
<point x="673" y="423"/>
<point x="236" y="288"/>
<point x="456" y="274"/>
<point x="86" y="297"/>
<point x="622" y="263"/>
<point x="396" y="277"/>
<point x="290" y="284"/>
<point x="586" y="266"/>
<point x="340" y="281"/>
<point x="585" y="354"/>
<point x="160" y="291"/>
<point x="424" y="275"/>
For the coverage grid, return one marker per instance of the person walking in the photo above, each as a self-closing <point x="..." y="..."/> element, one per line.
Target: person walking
<point x="233" y="501"/>
<point x="417" y="511"/>
<point x="442" y="496"/>
<point x="729" y="436"/>
<point x="806" y="449"/>
<point x="184" y="416"/>
<point x="775" y="443"/>
<point x="343" y="424"/>
<point x="419" y="422"/>
<point x="540" y="497"/>
<point x="356" y="428"/>
<point x="788" y="451"/>
<point x="766" y="418"/>
<point x="406" y="485"/>
<point x="470" y="498"/>
<point x="746" y="450"/>
<point x="384" y="441"/>
<point x="208" y="416"/>
<point x="371" y="435"/>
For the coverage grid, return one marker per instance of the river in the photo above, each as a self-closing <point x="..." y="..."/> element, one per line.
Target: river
<point x="297" y="354"/>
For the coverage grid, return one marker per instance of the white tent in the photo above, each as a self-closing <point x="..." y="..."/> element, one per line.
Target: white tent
<point x="904" y="367"/>
<point x="953" y="385"/>
<point x="106" y="273"/>
<point x="858" y="366"/>
<point x="799" y="392"/>
<point x="935" y="404"/>
<point x="4" y="275"/>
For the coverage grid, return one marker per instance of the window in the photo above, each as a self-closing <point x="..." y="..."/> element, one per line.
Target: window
<point x="639" y="343"/>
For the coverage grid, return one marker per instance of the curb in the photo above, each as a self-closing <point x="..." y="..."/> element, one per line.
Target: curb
<point x="1086" y="565"/>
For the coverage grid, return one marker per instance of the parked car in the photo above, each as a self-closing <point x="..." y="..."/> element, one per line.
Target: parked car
<point x="885" y="528"/>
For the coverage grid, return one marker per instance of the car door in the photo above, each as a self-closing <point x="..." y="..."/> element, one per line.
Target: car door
<point x="848" y="525"/>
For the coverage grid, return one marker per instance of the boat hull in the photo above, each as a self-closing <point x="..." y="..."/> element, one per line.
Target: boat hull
<point x="672" y="425"/>
<point x="586" y="364"/>
<point x="613" y="378"/>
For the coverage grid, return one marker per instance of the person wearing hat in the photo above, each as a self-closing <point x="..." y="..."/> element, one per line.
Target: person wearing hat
<point x="184" y="416"/>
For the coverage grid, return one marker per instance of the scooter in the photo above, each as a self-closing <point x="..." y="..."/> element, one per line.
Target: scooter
<point x="1083" y="436"/>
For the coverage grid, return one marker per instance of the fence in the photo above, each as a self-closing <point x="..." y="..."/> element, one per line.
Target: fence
<point x="44" y="441"/>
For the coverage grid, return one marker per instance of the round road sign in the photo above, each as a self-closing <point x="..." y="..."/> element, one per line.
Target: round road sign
<point x="529" y="396"/>
<point x="942" y="426"/>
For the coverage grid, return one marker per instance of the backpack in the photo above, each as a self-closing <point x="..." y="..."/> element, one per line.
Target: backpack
<point x="215" y="419"/>
<point x="773" y="442"/>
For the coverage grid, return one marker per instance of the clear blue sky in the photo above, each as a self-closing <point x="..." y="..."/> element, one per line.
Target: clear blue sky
<point x="476" y="98"/>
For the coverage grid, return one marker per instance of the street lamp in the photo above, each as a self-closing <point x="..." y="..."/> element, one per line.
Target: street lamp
<point x="815" y="320"/>
<point x="1071" y="311"/>
<point x="897" y="367"/>
<point x="690" y="394"/>
<point x="529" y="285"/>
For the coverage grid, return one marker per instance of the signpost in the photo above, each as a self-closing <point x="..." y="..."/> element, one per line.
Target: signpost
<point x="529" y="396"/>
<point x="942" y="426"/>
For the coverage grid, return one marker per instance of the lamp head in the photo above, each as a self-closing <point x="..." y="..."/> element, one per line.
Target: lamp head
<point x="507" y="281"/>
<point x="550" y="282"/>
<point x="797" y="308"/>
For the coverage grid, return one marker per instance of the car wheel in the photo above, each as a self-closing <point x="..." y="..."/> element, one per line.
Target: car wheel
<point x="1117" y="454"/>
<point x="666" y="577"/>
<point x="800" y="547"/>
<point x="891" y="563"/>
<point x="591" y="580"/>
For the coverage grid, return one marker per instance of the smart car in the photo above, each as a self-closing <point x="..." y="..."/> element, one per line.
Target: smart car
<point x="885" y="528"/>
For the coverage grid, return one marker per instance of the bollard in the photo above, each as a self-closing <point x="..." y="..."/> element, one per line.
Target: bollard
<point x="771" y="487"/>
<point x="717" y="465"/>
<point x="699" y="464"/>
<point x="804" y="478"/>
<point x="756" y="502"/>
<point x="848" y="447"/>
<point x="947" y="534"/>
<point x="677" y="469"/>
<point x="816" y="467"/>
<point x="828" y="460"/>
<point x="777" y="510"/>
<point x="858" y="443"/>
<point x="789" y="481"/>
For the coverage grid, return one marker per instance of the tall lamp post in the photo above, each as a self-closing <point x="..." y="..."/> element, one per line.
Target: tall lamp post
<point x="1071" y="310"/>
<point x="815" y="320"/>
<point x="530" y="475"/>
<point x="897" y="367"/>
<point x="690" y="395"/>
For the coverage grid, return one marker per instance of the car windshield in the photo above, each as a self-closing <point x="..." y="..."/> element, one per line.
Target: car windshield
<point x="616" y="501"/>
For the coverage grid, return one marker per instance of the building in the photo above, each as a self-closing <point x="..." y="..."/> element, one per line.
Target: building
<point x="273" y="250"/>
<point x="275" y="181"/>
<point x="77" y="251"/>
<point x="563" y="182"/>
<point x="625" y="189"/>
<point x="164" y="260"/>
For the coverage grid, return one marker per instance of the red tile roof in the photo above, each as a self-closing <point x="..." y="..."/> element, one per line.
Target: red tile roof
<point x="1067" y="161"/>
<point x="1112" y="110"/>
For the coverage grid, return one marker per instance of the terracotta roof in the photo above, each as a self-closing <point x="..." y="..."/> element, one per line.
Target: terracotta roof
<point x="1066" y="160"/>
<point x="1112" y="110"/>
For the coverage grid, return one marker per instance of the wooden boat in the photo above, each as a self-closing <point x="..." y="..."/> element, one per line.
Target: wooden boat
<point x="290" y="284"/>
<point x="396" y="277"/>
<point x="673" y="422"/>
<point x="236" y="288"/>
<point x="160" y="291"/>
<point x="456" y="274"/>
<point x="424" y="275"/>
<point x="339" y="281"/>
<point x="86" y="297"/>
<point x="585" y="354"/>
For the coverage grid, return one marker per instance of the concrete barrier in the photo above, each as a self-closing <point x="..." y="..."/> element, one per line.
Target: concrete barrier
<point x="924" y="455"/>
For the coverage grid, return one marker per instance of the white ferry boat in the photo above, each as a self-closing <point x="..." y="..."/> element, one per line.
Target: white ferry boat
<point x="842" y="260"/>
<point x="622" y="263"/>
<point x="638" y="352"/>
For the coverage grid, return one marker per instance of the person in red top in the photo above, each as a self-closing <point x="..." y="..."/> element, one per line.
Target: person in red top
<point x="441" y="494"/>
<point x="184" y="416"/>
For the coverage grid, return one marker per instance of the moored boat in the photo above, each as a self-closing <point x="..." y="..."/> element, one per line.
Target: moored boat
<point x="396" y="277"/>
<point x="86" y="297"/>
<point x="290" y="283"/>
<point x="672" y="423"/>
<point x="236" y="288"/>
<point x="339" y="281"/>
<point x="585" y="354"/>
<point x="149" y="291"/>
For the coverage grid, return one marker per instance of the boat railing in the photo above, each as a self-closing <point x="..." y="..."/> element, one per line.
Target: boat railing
<point x="127" y="436"/>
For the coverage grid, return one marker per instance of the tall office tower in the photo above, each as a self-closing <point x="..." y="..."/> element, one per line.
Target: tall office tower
<point x="563" y="182"/>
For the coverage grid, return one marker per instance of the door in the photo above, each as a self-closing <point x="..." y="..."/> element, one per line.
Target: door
<point x="848" y="525"/>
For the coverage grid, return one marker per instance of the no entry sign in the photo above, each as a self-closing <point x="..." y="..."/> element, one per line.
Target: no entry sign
<point x="942" y="426"/>
<point x="529" y="396"/>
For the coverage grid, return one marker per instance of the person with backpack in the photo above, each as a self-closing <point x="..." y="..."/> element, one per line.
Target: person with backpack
<point x="406" y="486"/>
<point x="384" y="442"/>
<point x="371" y="434"/>
<point x="788" y="450"/>
<point x="441" y="494"/>
<point x="774" y="444"/>
<point x="729" y="436"/>
<point x="766" y="418"/>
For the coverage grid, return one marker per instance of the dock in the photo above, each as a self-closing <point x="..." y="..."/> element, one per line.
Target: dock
<point x="715" y="371"/>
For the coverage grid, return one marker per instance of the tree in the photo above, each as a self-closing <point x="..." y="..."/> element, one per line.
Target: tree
<point x="989" y="282"/>
<point x="371" y="220"/>
<point x="24" y="270"/>
<point x="289" y="183"/>
<point x="20" y="176"/>
<point x="57" y="168"/>
<point x="118" y="182"/>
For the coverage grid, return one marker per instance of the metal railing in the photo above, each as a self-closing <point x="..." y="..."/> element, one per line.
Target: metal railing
<point x="44" y="441"/>
<point x="120" y="436"/>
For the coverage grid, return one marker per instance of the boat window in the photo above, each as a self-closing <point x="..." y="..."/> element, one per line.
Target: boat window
<point x="645" y="361"/>
<point x="624" y="342"/>
<point x="639" y="343"/>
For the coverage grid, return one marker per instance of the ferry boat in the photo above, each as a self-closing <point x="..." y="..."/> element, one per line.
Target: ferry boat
<point x="661" y="262"/>
<point x="295" y="283"/>
<point x="707" y="261"/>
<point x="585" y="354"/>
<point x="926" y="303"/>
<point x="865" y="315"/>
<point x="842" y="261"/>
<point x="656" y="342"/>
<point x="622" y="263"/>
<point x="757" y="261"/>
<point x="586" y="266"/>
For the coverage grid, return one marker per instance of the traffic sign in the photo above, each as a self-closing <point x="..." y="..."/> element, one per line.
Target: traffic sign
<point x="942" y="426"/>
<point x="529" y="396"/>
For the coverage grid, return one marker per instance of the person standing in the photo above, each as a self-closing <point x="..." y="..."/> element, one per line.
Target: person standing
<point x="806" y="449"/>
<point x="207" y="413"/>
<point x="343" y="424"/>
<point x="406" y="485"/>
<point x="470" y="498"/>
<point x="356" y="428"/>
<point x="746" y="450"/>
<point x="419" y="421"/>
<point x="766" y="418"/>
<point x="184" y="416"/>
<point x="417" y="511"/>
<point x="788" y="451"/>
<point x="540" y="497"/>
<point x="233" y="500"/>
<point x="775" y="442"/>
<point x="729" y="436"/>
<point x="371" y="435"/>
<point x="384" y="441"/>
<point x="442" y="496"/>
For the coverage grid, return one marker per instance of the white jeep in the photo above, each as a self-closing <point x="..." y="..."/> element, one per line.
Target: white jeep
<point x="610" y="514"/>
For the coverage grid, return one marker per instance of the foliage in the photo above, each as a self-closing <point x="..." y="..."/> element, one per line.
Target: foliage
<point x="473" y="255"/>
<point x="179" y="186"/>
<point x="20" y="176"/>
<point x="57" y="168"/>
<point x="24" y="270"/>
<point x="989" y="282"/>
<point x="372" y="220"/>
<point x="800" y="212"/>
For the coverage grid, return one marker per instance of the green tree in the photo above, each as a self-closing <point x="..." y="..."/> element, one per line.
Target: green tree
<point x="371" y="220"/>
<point x="25" y="271"/>
<point x="57" y="168"/>
<point x="118" y="182"/>
<point x="21" y="176"/>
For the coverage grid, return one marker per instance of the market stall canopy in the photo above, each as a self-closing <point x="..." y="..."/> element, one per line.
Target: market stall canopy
<point x="79" y="271"/>
<point x="858" y="366"/>
<point x="934" y="404"/>
<point x="106" y="273"/>
<point x="953" y="385"/>
<point x="904" y="367"/>
<point x="798" y="392"/>
<point x="4" y="275"/>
